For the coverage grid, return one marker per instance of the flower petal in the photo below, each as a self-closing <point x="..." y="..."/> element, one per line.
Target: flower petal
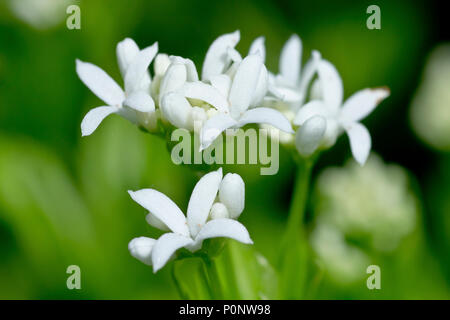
<point x="191" y="70"/>
<point x="268" y="116"/>
<point x="331" y="84"/>
<point x="232" y="194"/>
<point x="217" y="58"/>
<point x="221" y="82"/>
<point x="261" y="87"/>
<point x="162" y="208"/>
<point x="201" y="201"/>
<point x="140" y="101"/>
<point x="362" y="103"/>
<point x="139" y="67"/>
<point x="213" y="127"/>
<point x="141" y="249"/>
<point x="360" y="141"/>
<point x="309" y="70"/>
<point x="126" y="51"/>
<point x="309" y="135"/>
<point x="244" y="84"/>
<point x="165" y="247"/>
<point x="94" y="117"/>
<point x="155" y="222"/>
<point x="162" y="62"/>
<point x="174" y="78"/>
<point x="100" y="83"/>
<point x="290" y="59"/>
<point x="257" y="47"/>
<point x="177" y="110"/>
<point x="218" y="228"/>
<point x="309" y="110"/>
<point x="207" y="93"/>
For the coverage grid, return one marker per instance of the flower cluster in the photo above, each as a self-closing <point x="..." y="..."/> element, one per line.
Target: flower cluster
<point x="231" y="92"/>
<point x="213" y="208"/>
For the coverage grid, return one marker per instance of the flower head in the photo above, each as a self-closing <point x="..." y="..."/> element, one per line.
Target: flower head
<point x="134" y="103"/>
<point x="322" y="120"/>
<point x="206" y="218"/>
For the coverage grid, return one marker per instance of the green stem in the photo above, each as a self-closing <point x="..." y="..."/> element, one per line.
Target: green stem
<point x="300" y="197"/>
<point x="183" y="295"/>
<point x="293" y="259"/>
<point x="213" y="275"/>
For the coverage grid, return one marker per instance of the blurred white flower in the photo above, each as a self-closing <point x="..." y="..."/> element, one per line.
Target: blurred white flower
<point x="373" y="202"/>
<point x="430" y="109"/>
<point x="135" y="103"/>
<point x="345" y="263"/>
<point x="206" y="218"/>
<point x="339" y="116"/>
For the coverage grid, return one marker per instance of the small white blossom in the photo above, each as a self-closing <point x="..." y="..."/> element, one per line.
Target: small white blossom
<point x="135" y="103"/>
<point x="230" y="86"/>
<point x="237" y="96"/>
<point x="206" y="218"/>
<point x="339" y="116"/>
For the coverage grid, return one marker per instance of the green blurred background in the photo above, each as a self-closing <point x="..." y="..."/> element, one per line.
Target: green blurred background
<point x="63" y="199"/>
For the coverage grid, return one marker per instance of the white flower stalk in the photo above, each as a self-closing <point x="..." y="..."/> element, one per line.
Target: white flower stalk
<point x="134" y="103"/>
<point x="292" y="82"/>
<point x="236" y="96"/>
<point x="339" y="116"/>
<point x="206" y="218"/>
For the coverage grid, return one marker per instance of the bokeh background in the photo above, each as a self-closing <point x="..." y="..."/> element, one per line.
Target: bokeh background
<point x="63" y="199"/>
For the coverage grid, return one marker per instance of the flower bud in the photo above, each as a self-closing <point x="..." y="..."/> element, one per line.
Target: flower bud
<point x="309" y="135"/>
<point x="141" y="249"/>
<point x="219" y="211"/>
<point x="161" y="64"/>
<point x="232" y="194"/>
<point x="177" y="110"/>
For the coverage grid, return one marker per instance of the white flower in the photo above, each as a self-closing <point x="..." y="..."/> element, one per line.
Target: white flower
<point x="339" y="116"/>
<point x="135" y="103"/>
<point x="205" y="219"/>
<point x="235" y="96"/>
<point x="292" y="82"/>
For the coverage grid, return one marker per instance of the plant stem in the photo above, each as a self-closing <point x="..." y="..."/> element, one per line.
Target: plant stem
<point x="213" y="276"/>
<point x="300" y="197"/>
<point x="294" y="250"/>
<point x="183" y="295"/>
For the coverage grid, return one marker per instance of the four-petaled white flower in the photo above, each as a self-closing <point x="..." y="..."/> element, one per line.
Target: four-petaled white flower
<point x="206" y="218"/>
<point x="322" y="120"/>
<point x="135" y="103"/>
